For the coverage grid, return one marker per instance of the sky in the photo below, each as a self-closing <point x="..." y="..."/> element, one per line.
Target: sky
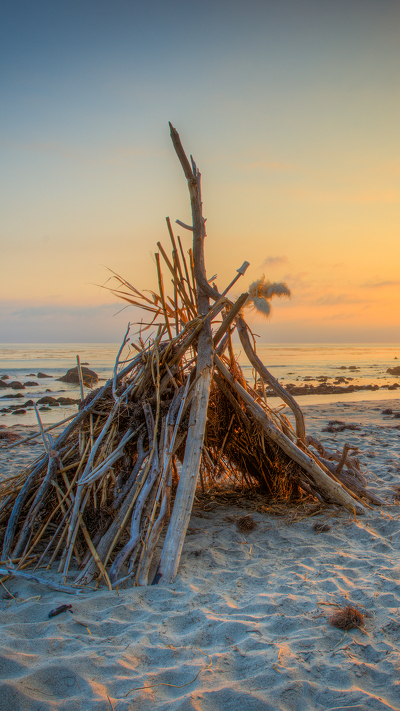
<point x="291" y="109"/>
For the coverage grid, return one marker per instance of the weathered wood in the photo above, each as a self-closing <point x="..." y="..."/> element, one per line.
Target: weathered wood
<point x="151" y="478"/>
<point x="154" y="531"/>
<point x="183" y="504"/>
<point x="179" y="522"/>
<point x="54" y="463"/>
<point x="329" y="488"/>
<point x="199" y="232"/>
<point x="269" y="378"/>
<point x="229" y="318"/>
<point x="60" y="441"/>
<point x="40" y="581"/>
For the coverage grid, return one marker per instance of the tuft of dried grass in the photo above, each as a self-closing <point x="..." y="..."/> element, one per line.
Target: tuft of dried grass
<point x="396" y="494"/>
<point x="347" y="618"/>
<point x="246" y="524"/>
<point x="321" y="527"/>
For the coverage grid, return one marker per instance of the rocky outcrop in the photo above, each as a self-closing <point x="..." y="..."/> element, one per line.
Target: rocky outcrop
<point x="89" y="377"/>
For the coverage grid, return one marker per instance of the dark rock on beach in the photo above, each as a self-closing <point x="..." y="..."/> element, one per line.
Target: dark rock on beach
<point x="30" y="384"/>
<point x="19" y="412"/>
<point x="89" y="377"/>
<point x="3" y="386"/>
<point x="67" y="401"/>
<point x="339" y="426"/>
<point x="9" y="397"/>
<point x="47" y="400"/>
<point x="394" y="371"/>
<point x="5" y="377"/>
<point x="28" y="403"/>
<point x="43" y="375"/>
<point x="16" y="385"/>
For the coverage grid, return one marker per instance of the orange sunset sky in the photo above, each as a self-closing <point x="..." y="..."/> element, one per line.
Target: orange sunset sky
<point x="291" y="111"/>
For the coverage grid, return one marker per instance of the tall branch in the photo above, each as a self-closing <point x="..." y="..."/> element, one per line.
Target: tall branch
<point x="179" y="522"/>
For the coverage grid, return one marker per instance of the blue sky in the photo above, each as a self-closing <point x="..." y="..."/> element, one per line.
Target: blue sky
<point x="291" y="110"/>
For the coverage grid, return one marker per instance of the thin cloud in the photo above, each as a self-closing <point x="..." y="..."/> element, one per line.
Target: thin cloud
<point x="340" y="316"/>
<point x="379" y="284"/>
<point x="299" y="280"/>
<point x="65" y="311"/>
<point x="334" y="299"/>
<point x="273" y="166"/>
<point x="274" y="261"/>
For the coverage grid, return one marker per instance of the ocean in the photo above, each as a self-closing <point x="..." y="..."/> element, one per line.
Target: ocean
<point x="290" y="363"/>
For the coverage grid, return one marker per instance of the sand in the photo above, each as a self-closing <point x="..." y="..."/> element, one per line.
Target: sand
<point x="245" y="624"/>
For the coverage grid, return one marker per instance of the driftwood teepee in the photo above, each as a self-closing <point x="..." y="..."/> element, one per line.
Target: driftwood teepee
<point x="177" y="415"/>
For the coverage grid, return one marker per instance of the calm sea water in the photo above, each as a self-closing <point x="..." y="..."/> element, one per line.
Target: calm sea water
<point x="289" y="363"/>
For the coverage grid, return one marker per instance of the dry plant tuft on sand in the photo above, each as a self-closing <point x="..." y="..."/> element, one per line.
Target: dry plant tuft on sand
<point x="246" y="524"/>
<point x="347" y="619"/>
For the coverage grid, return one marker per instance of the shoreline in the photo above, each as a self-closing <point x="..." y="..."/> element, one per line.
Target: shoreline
<point x="246" y="622"/>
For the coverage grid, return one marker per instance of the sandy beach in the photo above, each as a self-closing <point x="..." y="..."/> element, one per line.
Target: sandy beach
<point x="245" y="625"/>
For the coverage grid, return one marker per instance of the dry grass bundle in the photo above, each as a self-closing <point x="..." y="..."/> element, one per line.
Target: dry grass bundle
<point x="321" y="527"/>
<point x="176" y="415"/>
<point x="347" y="618"/>
<point x="246" y="524"/>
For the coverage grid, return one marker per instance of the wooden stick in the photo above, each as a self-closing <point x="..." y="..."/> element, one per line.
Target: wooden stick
<point x="229" y="318"/>
<point x="192" y="295"/>
<point x="154" y="530"/>
<point x="38" y="434"/>
<point x="274" y="384"/>
<point x="174" y="249"/>
<point x="34" y="509"/>
<point x="343" y="458"/>
<point x="123" y="344"/>
<point x="40" y="581"/>
<point x="148" y="484"/>
<point x="175" y="537"/>
<point x="95" y="554"/>
<point x="179" y="285"/>
<point x="162" y="297"/>
<point x="176" y="533"/>
<point x="39" y="419"/>
<point x="197" y="216"/>
<point x="78" y="361"/>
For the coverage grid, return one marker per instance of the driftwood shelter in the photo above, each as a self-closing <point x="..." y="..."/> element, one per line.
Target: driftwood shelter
<point x="177" y="415"/>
